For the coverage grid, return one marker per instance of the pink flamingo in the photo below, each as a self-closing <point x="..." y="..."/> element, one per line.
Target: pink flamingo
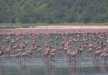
<point x="48" y="54"/>
<point x="71" y="56"/>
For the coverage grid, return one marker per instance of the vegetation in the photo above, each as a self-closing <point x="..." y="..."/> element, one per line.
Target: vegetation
<point x="53" y="11"/>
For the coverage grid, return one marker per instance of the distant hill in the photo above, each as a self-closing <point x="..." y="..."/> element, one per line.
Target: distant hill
<point x="53" y="11"/>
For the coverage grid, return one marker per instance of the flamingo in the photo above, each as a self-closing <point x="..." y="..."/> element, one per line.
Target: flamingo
<point x="72" y="54"/>
<point x="49" y="53"/>
<point x="104" y="55"/>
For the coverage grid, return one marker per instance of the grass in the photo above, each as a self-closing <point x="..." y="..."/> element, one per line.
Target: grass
<point x="26" y="25"/>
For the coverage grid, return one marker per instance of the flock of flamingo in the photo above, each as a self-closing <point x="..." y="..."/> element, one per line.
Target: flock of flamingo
<point x="52" y="45"/>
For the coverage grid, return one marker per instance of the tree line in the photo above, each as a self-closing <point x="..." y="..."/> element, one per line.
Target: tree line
<point x="53" y="11"/>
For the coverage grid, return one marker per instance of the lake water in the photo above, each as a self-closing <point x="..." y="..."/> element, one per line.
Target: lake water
<point x="35" y="66"/>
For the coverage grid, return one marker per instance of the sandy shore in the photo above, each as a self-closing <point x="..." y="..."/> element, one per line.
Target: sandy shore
<point x="55" y="29"/>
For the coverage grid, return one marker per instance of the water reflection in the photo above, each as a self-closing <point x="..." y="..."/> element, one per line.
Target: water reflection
<point x="36" y="66"/>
